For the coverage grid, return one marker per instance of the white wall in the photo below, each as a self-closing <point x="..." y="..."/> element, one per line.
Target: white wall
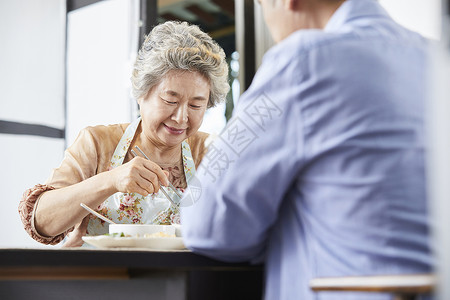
<point x="102" y="41"/>
<point x="439" y="165"/>
<point x="422" y="16"/>
<point x="438" y="112"/>
<point x="26" y="161"/>
<point x="31" y="91"/>
<point x="32" y="61"/>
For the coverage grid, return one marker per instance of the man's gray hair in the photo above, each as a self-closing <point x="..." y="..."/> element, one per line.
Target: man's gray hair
<point x="180" y="46"/>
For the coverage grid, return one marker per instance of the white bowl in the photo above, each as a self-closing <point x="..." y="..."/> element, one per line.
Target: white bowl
<point x="143" y="230"/>
<point x="177" y="229"/>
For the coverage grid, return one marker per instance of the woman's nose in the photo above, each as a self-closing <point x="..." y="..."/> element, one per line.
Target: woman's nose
<point x="180" y="115"/>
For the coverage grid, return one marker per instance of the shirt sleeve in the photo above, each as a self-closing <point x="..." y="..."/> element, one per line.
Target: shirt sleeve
<point x="245" y="174"/>
<point x="80" y="162"/>
<point x="27" y="206"/>
<point x="198" y="144"/>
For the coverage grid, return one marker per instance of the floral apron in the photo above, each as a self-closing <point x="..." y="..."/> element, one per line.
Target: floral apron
<point x="133" y="208"/>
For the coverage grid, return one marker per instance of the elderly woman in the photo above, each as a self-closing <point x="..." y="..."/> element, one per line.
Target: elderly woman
<point x="179" y="73"/>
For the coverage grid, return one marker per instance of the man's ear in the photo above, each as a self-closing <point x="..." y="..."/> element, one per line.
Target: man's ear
<point x="291" y="4"/>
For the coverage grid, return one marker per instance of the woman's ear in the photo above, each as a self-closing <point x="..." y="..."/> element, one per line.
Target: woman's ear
<point x="139" y="101"/>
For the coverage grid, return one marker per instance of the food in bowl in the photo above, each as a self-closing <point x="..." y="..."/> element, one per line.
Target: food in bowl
<point x="158" y="234"/>
<point x="142" y="230"/>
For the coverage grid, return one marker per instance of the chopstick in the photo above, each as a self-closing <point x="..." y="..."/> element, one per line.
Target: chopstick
<point x="168" y="198"/>
<point x="96" y="213"/>
<point x="161" y="186"/>
<point x="170" y="184"/>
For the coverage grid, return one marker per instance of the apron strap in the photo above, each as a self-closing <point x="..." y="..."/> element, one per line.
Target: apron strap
<point x="188" y="161"/>
<point x="124" y="144"/>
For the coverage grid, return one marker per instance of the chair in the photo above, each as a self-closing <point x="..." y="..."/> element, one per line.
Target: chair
<point x="403" y="287"/>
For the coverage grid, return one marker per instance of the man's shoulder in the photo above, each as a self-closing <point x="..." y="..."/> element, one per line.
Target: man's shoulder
<point x="351" y="36"/>
<point x="304" y="40"/>
<point x="295" y="49"/>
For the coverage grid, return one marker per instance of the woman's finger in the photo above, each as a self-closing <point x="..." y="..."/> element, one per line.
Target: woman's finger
<point x="158" y="171"/>
<point x="151" y="178"/>
<point x="75" y="237"/>
<point x="84" y="225"/>
<point x="144" y="189"/>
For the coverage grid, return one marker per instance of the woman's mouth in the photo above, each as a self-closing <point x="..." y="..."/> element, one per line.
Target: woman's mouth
<point x="174" y="130"/>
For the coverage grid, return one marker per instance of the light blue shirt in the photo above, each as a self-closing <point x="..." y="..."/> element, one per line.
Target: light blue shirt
<point x="320" y="172"/>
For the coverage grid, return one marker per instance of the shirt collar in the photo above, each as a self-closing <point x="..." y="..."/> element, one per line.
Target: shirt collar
<point x="354" y="9"/>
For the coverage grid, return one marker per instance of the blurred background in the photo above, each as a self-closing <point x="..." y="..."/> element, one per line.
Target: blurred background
<point x="66" y="64"/>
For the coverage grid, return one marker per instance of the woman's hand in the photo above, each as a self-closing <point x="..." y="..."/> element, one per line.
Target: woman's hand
<point x="75" y="237"/>
<point x="139" y="175"/>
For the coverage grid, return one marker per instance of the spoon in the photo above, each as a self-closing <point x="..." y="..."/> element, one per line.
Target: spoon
<point x="96" y="213"/>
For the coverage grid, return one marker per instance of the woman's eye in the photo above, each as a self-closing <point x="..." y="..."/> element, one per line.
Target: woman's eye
<point x="196" y="106"/>
<point x="170" y="102"/>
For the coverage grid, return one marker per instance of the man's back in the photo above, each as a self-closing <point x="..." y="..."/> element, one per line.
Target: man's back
<point x="359" y="200"/>
<point x="345" y="150"/>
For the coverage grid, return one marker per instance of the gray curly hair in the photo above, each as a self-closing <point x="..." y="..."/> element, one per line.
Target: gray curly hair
<point x="180" y="46"/>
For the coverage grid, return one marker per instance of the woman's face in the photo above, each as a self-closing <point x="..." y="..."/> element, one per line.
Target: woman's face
<point x="173" y="110"/>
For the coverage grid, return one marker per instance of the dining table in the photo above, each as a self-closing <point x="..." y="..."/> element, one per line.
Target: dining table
<point x="123" y="273"/>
